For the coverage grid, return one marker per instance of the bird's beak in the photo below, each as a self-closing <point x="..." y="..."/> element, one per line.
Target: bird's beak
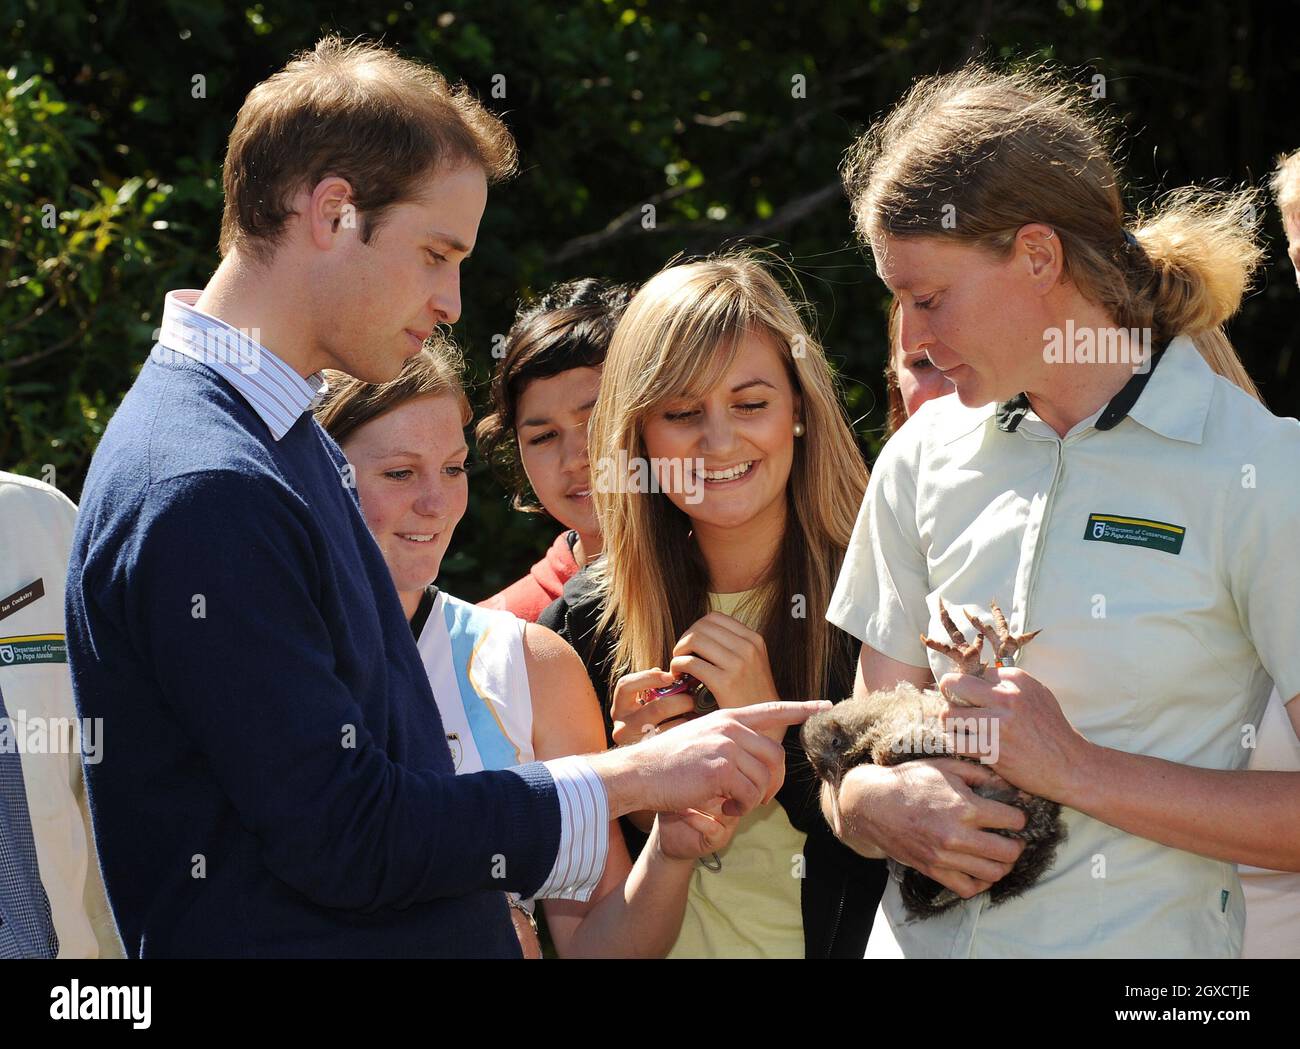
<point x="835" y="804"/>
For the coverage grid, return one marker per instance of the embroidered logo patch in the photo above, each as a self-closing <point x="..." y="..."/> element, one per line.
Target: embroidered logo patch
<point x="33" y="648"/>
<point x="1135" y="531"/>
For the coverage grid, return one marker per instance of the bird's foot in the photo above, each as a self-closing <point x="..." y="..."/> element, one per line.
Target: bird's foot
<point x="966" y="654"/>
<point x="1005" y="644"/>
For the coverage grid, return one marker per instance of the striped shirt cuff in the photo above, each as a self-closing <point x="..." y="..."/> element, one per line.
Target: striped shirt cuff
<point x="584" y="831"/>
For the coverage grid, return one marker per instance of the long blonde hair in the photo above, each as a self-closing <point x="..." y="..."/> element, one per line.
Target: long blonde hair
<point x="976" y="154"/>
<point x="677" y="338"/>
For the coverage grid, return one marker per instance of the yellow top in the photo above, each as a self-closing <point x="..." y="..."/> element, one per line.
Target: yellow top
<point x="749" y="908"/>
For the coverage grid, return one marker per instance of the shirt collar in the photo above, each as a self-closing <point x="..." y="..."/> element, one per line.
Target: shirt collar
<point x="1175" y="404"/>
<point x="277" y="393"/>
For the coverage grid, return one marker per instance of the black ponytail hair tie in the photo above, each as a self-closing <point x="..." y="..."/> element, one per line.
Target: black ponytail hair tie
<point x="1130" y="240"/>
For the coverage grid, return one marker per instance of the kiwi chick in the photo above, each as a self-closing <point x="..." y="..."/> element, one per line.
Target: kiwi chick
<point x="890" y="726"/>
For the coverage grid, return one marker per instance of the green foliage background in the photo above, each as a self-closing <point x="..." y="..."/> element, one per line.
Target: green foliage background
<point x="615" y="105"/>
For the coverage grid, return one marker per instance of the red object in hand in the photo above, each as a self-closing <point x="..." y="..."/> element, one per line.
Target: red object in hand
<point x="704" y="701"/>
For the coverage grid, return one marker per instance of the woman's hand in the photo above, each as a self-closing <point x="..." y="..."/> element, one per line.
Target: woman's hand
<point x="693" y="833"/>
<point x="925" y="815"/>
<point x="729" y="658"/>
<point x="635" y="713"/>
<point x="1028" y="742"/>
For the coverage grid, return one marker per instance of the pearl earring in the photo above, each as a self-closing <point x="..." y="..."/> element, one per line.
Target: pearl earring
<point x="798" y="429"/>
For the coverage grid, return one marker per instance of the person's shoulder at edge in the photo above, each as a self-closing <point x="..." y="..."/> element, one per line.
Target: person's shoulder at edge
<point x="1246" y="421"/>
<point x="1230" y="435"/>
<point x="27" y="493"/>
<point x="920" y="441"/>
<point x="170" y="415"/>
<point x="482" y="612"/>
<point x="548" y="654"/>
<point x="556" y="677"/>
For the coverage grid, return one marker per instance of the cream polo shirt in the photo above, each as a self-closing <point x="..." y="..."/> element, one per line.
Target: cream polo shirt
<point x="1154" y="546"/>
<point x="36" y="523"/>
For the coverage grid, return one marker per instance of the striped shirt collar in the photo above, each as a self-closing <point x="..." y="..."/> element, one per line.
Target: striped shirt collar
<point x="275" y="391"/>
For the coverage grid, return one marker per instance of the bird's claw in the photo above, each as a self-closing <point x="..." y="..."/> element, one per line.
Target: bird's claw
<point x="1005" y="644"/>
<point x="966" y="654"/>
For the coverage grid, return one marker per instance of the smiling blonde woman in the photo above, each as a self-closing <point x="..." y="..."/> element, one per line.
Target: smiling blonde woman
<point x="714" y="383"/>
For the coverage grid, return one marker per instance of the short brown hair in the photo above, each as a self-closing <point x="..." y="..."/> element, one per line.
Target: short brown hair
<point x="352" y="402"/>
<point x="568" y="327"/>
<point x="361" y="112"/>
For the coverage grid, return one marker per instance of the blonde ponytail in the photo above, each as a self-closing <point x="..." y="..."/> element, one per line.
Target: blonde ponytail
<point x="1199" y="251"/>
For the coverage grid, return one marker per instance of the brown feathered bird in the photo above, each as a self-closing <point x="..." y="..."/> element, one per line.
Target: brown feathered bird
<point x="891" y="726"/>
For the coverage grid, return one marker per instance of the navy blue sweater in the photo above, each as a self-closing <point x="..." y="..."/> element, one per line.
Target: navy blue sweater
<point x="275" y="778"/>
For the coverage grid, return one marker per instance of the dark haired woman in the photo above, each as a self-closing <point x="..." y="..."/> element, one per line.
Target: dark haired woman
<point x="536" y="435"/>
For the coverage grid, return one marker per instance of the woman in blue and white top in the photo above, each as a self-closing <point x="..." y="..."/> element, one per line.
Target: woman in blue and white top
<point x="508" y="691"/>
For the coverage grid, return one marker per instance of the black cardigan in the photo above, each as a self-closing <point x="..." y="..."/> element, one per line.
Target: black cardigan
<point x="840" y="889"/>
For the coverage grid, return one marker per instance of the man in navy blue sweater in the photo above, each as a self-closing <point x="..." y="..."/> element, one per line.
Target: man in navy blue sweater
<point x="274" y="777"/>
